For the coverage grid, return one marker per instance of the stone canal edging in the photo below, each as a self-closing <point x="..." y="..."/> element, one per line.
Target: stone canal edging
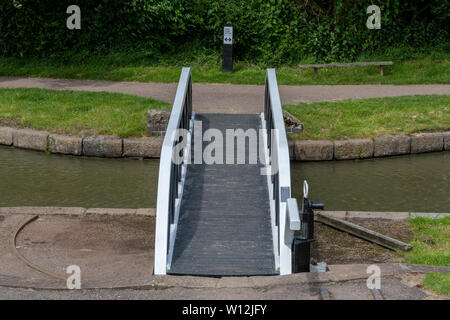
<point x="95" y="146"/>
<point x="318" y="150"/>
<point x="150" y="147"/>
<point x="77" y="211"/>
<point x="151" y="212"/>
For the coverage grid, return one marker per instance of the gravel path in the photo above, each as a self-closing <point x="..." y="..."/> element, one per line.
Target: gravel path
<point x="229" y="98"/>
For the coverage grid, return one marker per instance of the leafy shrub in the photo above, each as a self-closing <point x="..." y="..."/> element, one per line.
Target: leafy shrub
<point x="274" y="31"/>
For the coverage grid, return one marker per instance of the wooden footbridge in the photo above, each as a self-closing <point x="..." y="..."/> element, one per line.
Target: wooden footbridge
<point x="229" y="217"/>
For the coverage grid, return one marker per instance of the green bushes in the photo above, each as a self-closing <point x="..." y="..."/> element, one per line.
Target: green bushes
<point x="275" y="31"/>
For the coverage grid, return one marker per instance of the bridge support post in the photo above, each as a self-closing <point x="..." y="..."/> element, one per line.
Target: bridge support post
<point x="286" y="240"/>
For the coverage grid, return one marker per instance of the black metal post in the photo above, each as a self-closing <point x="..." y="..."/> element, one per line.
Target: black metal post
<point x="301" y="246"/>
<point x="227" y="58"/>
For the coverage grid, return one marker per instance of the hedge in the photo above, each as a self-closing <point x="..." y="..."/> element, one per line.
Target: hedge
<point x="276" y="31"/>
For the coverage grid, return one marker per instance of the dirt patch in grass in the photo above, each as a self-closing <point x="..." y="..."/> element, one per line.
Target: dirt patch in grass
<point x="7" y="122"/>
<point x="337" y="247"/>
<point x="397" y="229"/>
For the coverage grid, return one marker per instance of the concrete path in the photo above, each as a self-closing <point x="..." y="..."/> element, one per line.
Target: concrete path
<point x="107" y="247"/>
<point x="392" y="289"/>
<point x="229" y="98"/>
<point x="113" y="248"/>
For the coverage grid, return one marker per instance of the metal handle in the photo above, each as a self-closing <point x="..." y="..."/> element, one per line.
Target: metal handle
<point x="305" y="189"/>
<point x="316" y="205"/>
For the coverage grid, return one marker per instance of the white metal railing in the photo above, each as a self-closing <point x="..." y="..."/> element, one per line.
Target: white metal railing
<point x="284" y="210"/>
<point x="172" y="173"/>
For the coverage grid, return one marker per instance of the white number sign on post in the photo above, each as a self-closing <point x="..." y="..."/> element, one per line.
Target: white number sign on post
<point x="228" y="35"/>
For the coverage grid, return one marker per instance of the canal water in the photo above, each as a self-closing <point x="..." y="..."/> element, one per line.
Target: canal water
<point x="419" y="183"/>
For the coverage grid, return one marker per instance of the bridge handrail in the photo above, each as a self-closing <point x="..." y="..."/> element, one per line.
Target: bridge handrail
<point x="171" y="174"/>
<point x="278" y="150"/>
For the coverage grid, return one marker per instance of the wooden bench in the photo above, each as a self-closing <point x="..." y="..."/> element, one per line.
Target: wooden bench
<point x="316" y="67"/>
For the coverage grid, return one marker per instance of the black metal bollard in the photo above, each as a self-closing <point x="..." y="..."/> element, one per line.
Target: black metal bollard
<point x="301" y="246"/>
<point x="227" y="58"/>
<point x="301" y="252"/>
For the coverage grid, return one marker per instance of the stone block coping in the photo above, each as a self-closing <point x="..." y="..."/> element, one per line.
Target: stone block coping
<point x="151" y="212"/>
<point x="316" y="150"/>
<point x="65" y="144"/>
<point x="94" y="146"/>
<point x="299" y="150"/>
<point x="353" y="149"/>
<point x="30" y="139"/>
<point x="77" y="211"/>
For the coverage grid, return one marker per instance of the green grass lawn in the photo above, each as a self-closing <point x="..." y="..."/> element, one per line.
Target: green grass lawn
<point x="432" y="247"/>
<point x="431" y="242"/>
<point x="438" y="282"/>
<point x="77" y="113"/>
<point x="88" y="113"/>
<point x="366" y="118"/>
<point x="433" y="68"/>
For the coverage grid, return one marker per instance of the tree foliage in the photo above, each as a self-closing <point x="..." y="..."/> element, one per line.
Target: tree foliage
<point x="275" y="31"/>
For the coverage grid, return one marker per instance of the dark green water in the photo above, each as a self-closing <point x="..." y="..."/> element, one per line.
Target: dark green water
<point x="414" y="183"/>
<point x="418" y="183"/>
<point x="30" y="178"/>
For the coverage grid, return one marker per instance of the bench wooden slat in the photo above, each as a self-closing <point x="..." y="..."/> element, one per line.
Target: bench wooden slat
<point x="344" y="65"/>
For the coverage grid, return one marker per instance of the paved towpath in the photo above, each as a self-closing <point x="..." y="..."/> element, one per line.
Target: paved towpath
<point x="229" y="98"/>
<point x="392" y="289"/>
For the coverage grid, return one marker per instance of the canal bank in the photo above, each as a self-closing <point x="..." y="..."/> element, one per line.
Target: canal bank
<point x="299" y="150"/>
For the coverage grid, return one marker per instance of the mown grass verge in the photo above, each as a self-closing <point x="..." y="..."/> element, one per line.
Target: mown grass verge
<point x="432" y="247"/>
<point x="138" y="66"/>
<point x="438" y="282"/>
<point x="88" y="113"/>
<point x="368" y="118"/>
<point x="77" y="113"/>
